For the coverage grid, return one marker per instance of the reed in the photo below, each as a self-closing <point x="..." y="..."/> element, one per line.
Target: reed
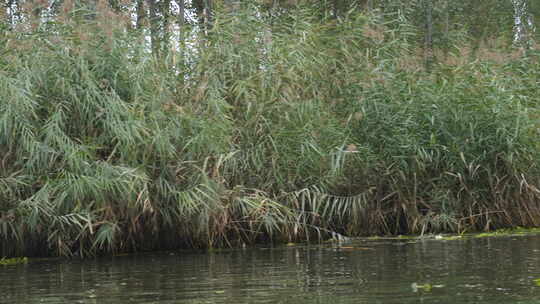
<point x="264" y="130"/>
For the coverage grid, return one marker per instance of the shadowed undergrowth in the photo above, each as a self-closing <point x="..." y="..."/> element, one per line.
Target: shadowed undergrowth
<point x="261" y="131"/>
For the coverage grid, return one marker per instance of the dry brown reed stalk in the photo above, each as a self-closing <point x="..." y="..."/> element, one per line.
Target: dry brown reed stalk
<point x="486" y="51"/>
<point x="412" y="61"/>
<point x="374" y="32"/>
<point x="66" y="10"/>
<point x="4" y="12"/>
<point x="105" y="14"/>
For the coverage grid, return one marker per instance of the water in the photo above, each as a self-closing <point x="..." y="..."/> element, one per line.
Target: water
<point x="482" y="270"/>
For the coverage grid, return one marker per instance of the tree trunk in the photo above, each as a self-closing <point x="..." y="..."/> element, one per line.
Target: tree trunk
<point x="204" y="12"/>
<point x="165" y="8"/>
<point x="180" y="62"/>
<point x="428" y="48"/>
<point x="141" y="14"/>
<point x="523" y="24"/>
<point x="154" y="27"/>
<point x="446" y="27"/>
<point x="208" y="13"/>
<point x="181" y="13"/>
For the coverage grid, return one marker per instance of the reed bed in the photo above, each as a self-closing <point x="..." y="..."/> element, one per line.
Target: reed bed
<point x="264" y="130"/>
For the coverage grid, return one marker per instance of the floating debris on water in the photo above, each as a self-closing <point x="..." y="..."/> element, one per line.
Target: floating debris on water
<point x="427" y="287"/>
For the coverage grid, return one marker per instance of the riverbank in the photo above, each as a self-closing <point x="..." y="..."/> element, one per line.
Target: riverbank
<point x="330" y="128"/>
<point x="342" y="243"/>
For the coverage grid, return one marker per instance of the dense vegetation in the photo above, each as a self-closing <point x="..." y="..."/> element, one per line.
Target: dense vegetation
<point x="297" y="124"/>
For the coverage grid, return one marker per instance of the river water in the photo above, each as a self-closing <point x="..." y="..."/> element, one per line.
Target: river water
<point x="476" y="270"/>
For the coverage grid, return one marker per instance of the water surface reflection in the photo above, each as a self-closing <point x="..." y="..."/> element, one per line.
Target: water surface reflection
<point x="486" y="270"/>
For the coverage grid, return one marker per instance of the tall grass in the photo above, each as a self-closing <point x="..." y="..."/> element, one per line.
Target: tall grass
<point x="267" y="130"/>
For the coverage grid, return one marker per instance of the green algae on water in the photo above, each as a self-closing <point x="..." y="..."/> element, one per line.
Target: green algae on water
<point x="508" y="232"/>
<point x="13" y="261"/>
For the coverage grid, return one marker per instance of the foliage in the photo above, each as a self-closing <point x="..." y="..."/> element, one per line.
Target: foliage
<point x="264" y="129"/>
